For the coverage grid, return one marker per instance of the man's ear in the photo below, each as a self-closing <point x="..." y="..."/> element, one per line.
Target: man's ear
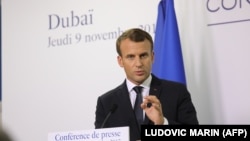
<point x="153" y="56"/>
<point x="119" y="60"/>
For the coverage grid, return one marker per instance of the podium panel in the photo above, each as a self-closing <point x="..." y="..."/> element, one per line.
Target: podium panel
<point x="103" y="134"/>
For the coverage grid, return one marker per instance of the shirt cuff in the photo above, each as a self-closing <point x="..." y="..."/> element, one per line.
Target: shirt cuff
<point x="165" y="121"/>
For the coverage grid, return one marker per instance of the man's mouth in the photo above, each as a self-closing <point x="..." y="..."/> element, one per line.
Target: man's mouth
<point x="139" y="72"/>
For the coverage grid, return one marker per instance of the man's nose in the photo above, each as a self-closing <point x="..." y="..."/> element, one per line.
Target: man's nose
<point x="138" y="62"/>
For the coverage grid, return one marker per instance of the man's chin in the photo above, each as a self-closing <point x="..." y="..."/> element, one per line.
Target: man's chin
<point x="141" y="78"/>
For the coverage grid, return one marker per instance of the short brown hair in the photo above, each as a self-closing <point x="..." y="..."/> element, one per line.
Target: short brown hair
<point x="134" y="34"/>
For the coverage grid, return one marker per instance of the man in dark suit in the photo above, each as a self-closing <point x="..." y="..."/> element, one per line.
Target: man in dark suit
<point x="164" y="102"/>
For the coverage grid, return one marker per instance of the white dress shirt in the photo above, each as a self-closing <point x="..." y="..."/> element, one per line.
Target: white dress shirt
<point x="145" y="92"/>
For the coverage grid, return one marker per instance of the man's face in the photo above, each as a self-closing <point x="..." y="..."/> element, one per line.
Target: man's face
<point x="136" y="59"/>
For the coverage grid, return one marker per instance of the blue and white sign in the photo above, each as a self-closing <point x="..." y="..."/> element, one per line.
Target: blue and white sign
<point x="103" y="134"/>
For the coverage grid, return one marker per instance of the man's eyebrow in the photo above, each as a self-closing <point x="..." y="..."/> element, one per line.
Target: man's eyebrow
<point x="144" y="53"/>
<point x="130" y="55"/>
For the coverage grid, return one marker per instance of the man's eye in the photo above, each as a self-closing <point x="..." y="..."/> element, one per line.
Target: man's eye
<point x="144" y="56"/>
<point x="130" y="56"/>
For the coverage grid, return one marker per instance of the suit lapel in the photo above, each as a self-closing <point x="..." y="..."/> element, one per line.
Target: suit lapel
<point x="155" y="89"/>
<point x="127" y="110"/>
<point x="123" y="99"/>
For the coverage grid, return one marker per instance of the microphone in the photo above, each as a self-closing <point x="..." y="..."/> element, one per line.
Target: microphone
<point x="114" y="107"/>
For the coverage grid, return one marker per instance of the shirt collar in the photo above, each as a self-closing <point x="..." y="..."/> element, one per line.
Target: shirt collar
<point x="145" y="84"/>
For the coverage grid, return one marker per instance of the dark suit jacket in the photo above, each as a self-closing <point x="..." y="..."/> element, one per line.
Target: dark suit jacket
<point x="176" y="103"/>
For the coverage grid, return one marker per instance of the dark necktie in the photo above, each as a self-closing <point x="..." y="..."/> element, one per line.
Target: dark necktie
<point x="137" y="108"/>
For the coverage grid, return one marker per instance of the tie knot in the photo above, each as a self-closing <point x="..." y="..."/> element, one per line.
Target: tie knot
<point x="138" y="89"/>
